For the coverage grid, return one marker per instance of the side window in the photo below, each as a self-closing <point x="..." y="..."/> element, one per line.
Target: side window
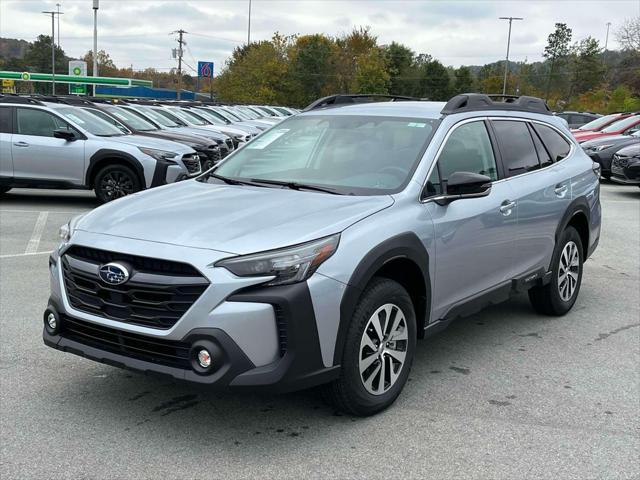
<point x="517" y="148"/>
<point x="556" y="145"/>
<point x="5" y="120"/>
<point x="36" y="122"/>
<point x="468" y="149"/>
<point x="543" y="154"/>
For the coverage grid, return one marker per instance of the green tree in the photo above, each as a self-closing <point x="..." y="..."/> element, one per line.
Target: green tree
<point x="106" y="67"/>
<point x="588" y="68"/>
<point x="311" y="67"/>
<point x="371" y="73"/>
<point x="463" y="82"/>
<point x="38" y="59"/>
<point x="401" y="69"/>
<point x="434" y="82"/>
<point x="557" y="50"/>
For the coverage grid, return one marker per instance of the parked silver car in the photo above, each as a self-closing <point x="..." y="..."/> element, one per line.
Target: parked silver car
<point x="338" y="239"/>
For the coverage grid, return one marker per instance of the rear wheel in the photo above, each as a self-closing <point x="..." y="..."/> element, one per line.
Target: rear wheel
<point x="559" y="295"/>
<point x="4" y="190"/>
<point x="115" y="181"/>
<point x="378" y="351"/>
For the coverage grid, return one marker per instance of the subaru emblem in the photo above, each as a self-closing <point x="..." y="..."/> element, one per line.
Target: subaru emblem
<point x="113" y="273"/>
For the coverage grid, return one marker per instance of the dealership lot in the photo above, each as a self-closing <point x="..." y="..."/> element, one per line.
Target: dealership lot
<point x="502" y="394"/>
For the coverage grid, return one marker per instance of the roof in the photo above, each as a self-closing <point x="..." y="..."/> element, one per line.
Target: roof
<point x="418" y="109"/>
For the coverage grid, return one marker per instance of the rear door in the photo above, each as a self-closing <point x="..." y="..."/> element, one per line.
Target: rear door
<point x="6" y="161"/>
<point x="475" y="237"/>
<point x="38" y="155"/>
<point x="532" y="155"/>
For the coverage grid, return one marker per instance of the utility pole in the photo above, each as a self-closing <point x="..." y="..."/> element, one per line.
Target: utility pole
<point x="96" y="5"/>
<point x="58" y="13"/>
<point x="53" y="49"/>
<point x="249" y="27"/>
<point x="506" y="63"/>
<point x="181" y="42"/>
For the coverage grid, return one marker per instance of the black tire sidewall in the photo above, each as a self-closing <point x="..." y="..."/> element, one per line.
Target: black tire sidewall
<point x="561" y="306"/>
<point x="379" y="292"/>
<point x="102" y="197"/>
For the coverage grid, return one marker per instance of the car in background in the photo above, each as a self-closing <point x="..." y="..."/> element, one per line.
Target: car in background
<point x="625" y="167"/>
<point x="624" y="126"/>
<point x="53" y="145"/>
<point x="600" y="123"/>
<point x="578" y="119"/>
<point x="601" y="150"/>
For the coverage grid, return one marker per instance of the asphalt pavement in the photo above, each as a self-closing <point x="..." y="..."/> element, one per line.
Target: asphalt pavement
<point x="502" y="394"/>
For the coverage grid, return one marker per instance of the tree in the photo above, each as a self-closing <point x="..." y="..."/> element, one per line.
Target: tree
<point x="587" y="66"/>
<point x="400" y="61"/>
<point x="557" y="49"/>
<point x="38" y="59"/>
<point x="434" y="82"/>
<point x="628" y="35"/>
<point x="106" y="67"/>
<point x="311" y="68"/>
<point x="371" y="73"/>
<point x="463" y="82"/>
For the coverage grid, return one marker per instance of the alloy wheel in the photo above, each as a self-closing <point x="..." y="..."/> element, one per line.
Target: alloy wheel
<point x="568" y="271"/>
<point x="383" y="349"/>
<point x="116" y="184"/>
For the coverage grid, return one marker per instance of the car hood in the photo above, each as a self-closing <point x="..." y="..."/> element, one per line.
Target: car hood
<point x="230" y="218"/>
<point x="583" y="137"/>
<point x="606" y="140"/>
<point x="150" y="142"/>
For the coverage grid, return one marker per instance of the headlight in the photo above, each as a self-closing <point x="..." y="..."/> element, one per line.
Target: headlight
<point x="158" y="154"/>
<point x="287" y="265"/>
<point x="67" y="230"/>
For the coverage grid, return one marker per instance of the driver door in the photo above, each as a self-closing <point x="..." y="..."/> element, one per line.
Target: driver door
<point x="475" y="238"/>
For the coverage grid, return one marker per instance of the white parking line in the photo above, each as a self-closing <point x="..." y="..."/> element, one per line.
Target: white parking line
<point x="34" y="242"/>
<point x="15" y="210"/>
<point x="24" y="254"/>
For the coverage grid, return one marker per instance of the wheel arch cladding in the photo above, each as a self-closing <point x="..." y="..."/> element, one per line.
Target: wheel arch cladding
<point x="105" y="157"/>
<point x="402" y="258"/>
<point x="577" y="216"/>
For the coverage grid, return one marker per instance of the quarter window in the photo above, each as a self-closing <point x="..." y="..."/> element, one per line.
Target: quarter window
<point x="516" y="145"/>
<point x="556" y="145"/>
<point x="543" y="154"/>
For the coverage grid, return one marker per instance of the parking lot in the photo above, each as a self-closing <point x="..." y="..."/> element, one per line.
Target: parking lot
<point x="502" y="394"/>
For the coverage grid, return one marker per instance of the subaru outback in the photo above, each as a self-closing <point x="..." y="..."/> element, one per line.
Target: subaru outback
<point x="340" y="237"/>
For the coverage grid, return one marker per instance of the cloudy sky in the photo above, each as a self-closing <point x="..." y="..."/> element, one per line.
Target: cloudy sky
<point x="458" y="32"/>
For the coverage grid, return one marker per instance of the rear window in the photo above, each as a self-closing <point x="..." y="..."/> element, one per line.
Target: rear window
<point x="556" y="145"/>
<point x="516" y="146"/>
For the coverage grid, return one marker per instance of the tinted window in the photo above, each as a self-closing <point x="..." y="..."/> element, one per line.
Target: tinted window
<point x="468" y="149"/>
<point x="434" y="187"/>
<point x="556" y="145"/>
<point x="5" y="120"/>
<point x="516" y="145"/>
<point x="37" y="122"/>
<point x="543" y="154"/>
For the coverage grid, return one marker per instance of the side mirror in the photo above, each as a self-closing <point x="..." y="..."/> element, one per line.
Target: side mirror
<point x="466" y="185"/>
<point x="65" y="134"/>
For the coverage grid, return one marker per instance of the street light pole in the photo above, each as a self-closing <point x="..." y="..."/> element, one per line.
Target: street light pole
<point x="53" y="49"/>
<point x="249" y="27"/>
<point x="506" y="63"/>
<point x="58" y="13"/>
<point x="96" y="5"/>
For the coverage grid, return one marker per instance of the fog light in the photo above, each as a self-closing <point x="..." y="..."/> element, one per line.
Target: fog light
<point x="52" y="321"/>
<point x="204" y="358"/>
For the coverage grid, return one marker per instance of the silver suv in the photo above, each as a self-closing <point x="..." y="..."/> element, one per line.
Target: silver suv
<point x="338" y="238"/>
<point x="53" y="145"/>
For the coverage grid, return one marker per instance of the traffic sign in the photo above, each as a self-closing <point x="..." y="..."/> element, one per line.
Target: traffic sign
<point x="205" y="69"/>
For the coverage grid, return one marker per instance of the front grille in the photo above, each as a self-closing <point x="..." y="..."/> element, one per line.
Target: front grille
<point x="281" y="325"/>
<point x="165" y="352"/>
<point x="192" y="164"/>
<point x="229" y="143"/>
<point x="157" y="295"/>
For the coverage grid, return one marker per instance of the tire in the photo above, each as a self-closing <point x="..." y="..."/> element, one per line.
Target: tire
<point x="4" y="190"/>
<point x="557" y="297"/>
<point x="115" y="181"/>
<point x="383" y="299"/>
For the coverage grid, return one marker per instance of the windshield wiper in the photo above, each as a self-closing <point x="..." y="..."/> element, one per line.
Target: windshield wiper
<point x="298" y="186"/>
<point x="232" y="181"/>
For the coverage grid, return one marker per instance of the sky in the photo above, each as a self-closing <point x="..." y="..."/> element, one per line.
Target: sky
<point x="457" y="32"/>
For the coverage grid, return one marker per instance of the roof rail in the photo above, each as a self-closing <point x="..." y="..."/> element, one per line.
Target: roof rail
<point x="470" y="102"/>
<point x="19" y="99"/>
<point x="351" y="98"/>
<point x="67" y="100"/>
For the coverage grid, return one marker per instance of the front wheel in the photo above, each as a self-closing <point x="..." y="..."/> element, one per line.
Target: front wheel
<point x="378" y="351"/>
<point x="559" y="295"/>
<point x="115" y="181"/>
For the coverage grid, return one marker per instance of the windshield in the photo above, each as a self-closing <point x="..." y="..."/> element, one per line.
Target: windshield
<point x="598" y="122"/>
<point x="230" y="115"/>
<point x="352" y="154"/>
<point x="248" y="112"/>
<point x="239" y="113"/>
<point x="210" y="116"/>
<point x="109" y="119"/>
<point x="135" y="121"/>
<point x="621" y="125"/>
<point x="225" y="114"/>
<point x="155" y="116"/>
<point x="186" y="116"/>
<point x="90" y="122"/>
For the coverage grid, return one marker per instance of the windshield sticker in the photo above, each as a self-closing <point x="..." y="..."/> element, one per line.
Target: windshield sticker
<point x="266" y="139"/>
<point x="416" y="125"/>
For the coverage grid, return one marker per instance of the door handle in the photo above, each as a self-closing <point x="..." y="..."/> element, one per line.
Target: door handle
<point x="561" y="190"/>
<point x="20" y="144"/>
<point x="506" y="207"/>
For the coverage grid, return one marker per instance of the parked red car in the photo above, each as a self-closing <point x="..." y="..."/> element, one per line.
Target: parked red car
<point x="600" y="123"/>
<point x="624" y="126"/>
